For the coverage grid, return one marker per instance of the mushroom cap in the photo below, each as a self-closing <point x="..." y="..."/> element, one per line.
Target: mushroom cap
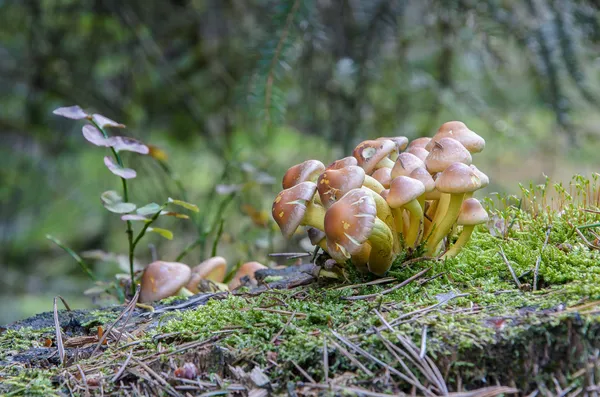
<point x="482" y="177"/>
<point x="289" y="206"/>
<point x="405" y="164"/>
<point x="419" y="152"/>
<point x="342" y="163"/>
<point x="212" y="269"/>
<point x="348" y="223"/>
<point x="457" y="178"/>
<point x="315" y="235"/>
<point x="424" y="177"/>
<point x="472" y="213"/>
<point x="404" y="190"/>
<point x="384" y="193"/>
<point x="163" y="279"/>
<point x="383" y="176"/>
<point x="419" y="142"/>
<point x="445" y="152"/>
<point x="247" y="269"/>
<point x="369" y="153"/>
<point x="459" y="131"/>
<point x="306" y="171"/>
<point x="400" y="141"/>
<point x="333" y="184"/>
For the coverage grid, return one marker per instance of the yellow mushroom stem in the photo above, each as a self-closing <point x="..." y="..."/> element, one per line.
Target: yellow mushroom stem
<point x="381" y="241"/>
<point x="385" y="162"/>
<point x="184" y="292"/>
<point x="416" y="218"/>
<point x="398" y="214"/>
<point x="314" y="216"/>
<point x="361" y="258"/>
<point x="373" y="184"/>
<point x="464" y="237"/>
<point x="384" y="212"/>
<point x="443" y="226"/>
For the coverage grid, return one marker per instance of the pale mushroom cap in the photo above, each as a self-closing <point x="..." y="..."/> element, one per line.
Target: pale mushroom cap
<point x="457" y="178"/>
<point x="400" y="141"/>
<point x="369" y="153"/>
<point x="482" y="177"/>
<point x="424" y="177"/>
<point x="404" y="190"/>
<point x="163" y="279"/>
<point x="445" y="152"/>
<point x="348" y="223"/>
<point x="418" y="152"/>
<point x="342" y="163"/>
<point x="383" y="176"/>
<point x="213" y="269"/>
<point x="459" y="131"/>
<point x="384" y="193"/>
<point x="247" y="269"/>
<point x="419" y="142"/>
<point x="303" y="172"/>
<point x="472" y="213"/>
<point x="405" y="164"/>
<point x="333" y="184"/>
<point x="289" y="206"/>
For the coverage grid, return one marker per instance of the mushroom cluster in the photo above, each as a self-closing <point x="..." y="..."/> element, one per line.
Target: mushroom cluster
<point x="164" y="279"/>
<point x="389" y="196"/>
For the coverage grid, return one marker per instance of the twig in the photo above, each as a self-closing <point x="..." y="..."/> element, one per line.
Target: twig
<point x="510" y="269"/>
<point x="156" y="376"/>
<point x="539" y="259"/>
<point x="325" y="361"/>
<point x="122" y="369"/>
<point x="278" y="334"/>
<point x="353" y="359"/>
<point x="59" y="341"/>
<point x="303" y="372"/>
<point x="84" y="380"/>
<point x="423" y="342"/>
<point x="385" y="280"/>
<point x="353" y="390"/>
<point x="387" y="291"/>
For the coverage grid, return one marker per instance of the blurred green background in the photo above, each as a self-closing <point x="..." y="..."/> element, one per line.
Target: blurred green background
<point x="235" y="92"/>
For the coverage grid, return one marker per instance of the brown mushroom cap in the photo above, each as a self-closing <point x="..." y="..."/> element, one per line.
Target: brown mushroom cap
<point x="459" y="131"/>
<point x="457" y="178"/>
<point x="418" y="152"/>
<point x="445" y="152"/>
<point x="405" y="164"/>
<point x="369" y="153"/>
<point x="247" y="269"/>
<point x="348" y="223"/>
<point x="315" y="235"/>
<point x="289" y="206"/>
<point x="482" y="177"/>
<point x="383" y="176"/>
<point x="303" y="172"/>
<point x="163" y="279"/>
<point x="419" y="142"/>
<point x="400" y="141"/>
<point x="333" y="184"/>
<point x="424" y="177"/>
<point x="404" y="190"/>
<point x="212" y="269"/>
<point x="342" y="163"/>
<point x="472" y="213"/>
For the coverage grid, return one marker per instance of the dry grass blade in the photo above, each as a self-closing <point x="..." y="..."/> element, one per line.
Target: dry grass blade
<point x="387" y="291"/>
<point x="167" y="387"/>
<point x="122" y="369"/>
<point x="303" y="372"/>
<point x="353" y="390"/>
<point x="487" y="392"/>
<point x="83" y="380"/>
<point x="353" y="359"/>
<point x="59" y="341"/>
<point x="377" y="361"/>
<point x="384" y="280"/>
<point x="510" y="269"/>
<point x="536" y="271"/>
<point x="278" y="334"/>
<point x="325" y="361"/>
<point x="423" y="342"/>
<point x="392" y="349"/>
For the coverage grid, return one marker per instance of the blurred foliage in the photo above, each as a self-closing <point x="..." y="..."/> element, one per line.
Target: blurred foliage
<point x="234" y="92"/>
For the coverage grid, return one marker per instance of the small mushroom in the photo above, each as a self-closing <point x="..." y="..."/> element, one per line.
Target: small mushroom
<point x="333" y="184"/>
<point x="401" y="143"/>
<point x="163" y="279"/>
<point x="404" y="193"/>
<point x="246" y="270"/>
<point x="445" y="152"/>
<point x="418" y="152"/>
<point x="212" y="269"/>
<point x="383" y="176"/>
<point x="459" y="131"/>
<point x="308" y="170"/>
<point x="482" y="177"/>
<point x="294" y="207"/>
<point x="419" y="142"/>
<point x="455" y="180"/>
<point x="405" y="164"/>
<point x="471" y="214"/>
<point x="342" y="163"/>
<point x="371" y="155"/>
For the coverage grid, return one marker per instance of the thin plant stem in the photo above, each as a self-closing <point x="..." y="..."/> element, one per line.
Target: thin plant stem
<point x="217" y="238"/>
<point x="84" y="266"/>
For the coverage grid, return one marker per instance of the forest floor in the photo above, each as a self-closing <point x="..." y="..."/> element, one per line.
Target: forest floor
<point x="485" y="323"/>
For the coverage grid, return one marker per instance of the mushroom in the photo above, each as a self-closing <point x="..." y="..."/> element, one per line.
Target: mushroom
<point x="404" y="193"/>
<point x="352" y="221"/>
<point x="405" y="164"/>
<point x="317" y="237"/>
<point x="471" y="214"/>
<point x="246" y="270"/>
<point x="163" y="279"/>
<point x="419" y="152"/>
<point x="333" y="184"/>
<point x="212" y="269"/>
<point x="374" y="154"/>
<point x="342" y="163"/>
<point x="383" y="176"/>
<point x="294" y="207"/>
<point x="418" y="142"/>
<point x="303" y="172"/>
<point x="456" y="180"/>
<point x="459" y="131"/>
<point x="444" y="152"/>
<point x="401" y="143"/>
<point x="482" y="177"/>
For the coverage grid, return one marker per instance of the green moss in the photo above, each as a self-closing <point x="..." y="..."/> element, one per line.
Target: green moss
<point x="32" y="382"/>
<point x="12" y="341"/>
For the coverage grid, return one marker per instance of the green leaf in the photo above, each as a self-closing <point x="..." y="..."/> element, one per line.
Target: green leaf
<point x="134" y="217"/>
<point x="163" y="232"/>
<point x="175" y="214"/>
<point x="114" y="203"/>
<point x="149" y="209"/>
<point x="188" y="206"/>
<point x="71" y="112"/>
